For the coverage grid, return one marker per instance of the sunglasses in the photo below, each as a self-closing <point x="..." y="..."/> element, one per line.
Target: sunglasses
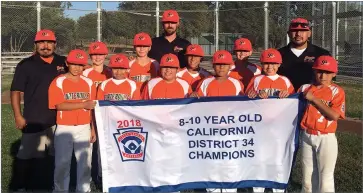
<point x="303" y="25"/>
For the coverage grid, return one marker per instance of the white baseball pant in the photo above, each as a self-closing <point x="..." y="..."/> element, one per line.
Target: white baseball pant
<point x="66" y="139"/>
<point x="220" y="190"/>
<point x="319" y="155"/>
<point x="259" y="189"/>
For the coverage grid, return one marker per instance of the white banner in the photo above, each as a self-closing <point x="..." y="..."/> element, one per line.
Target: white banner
<point x="178" y="144"/>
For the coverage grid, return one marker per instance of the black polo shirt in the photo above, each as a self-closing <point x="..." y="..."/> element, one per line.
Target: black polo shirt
<point x="33" y="77"/>
<point x="299" y="69"/>
<point x="161" y="46"/>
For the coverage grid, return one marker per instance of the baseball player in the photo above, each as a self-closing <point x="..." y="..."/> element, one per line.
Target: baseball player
<point x="220" y="84"/>
<point x="167" y="86"/>
<point x="244" y="70"/>
<point x="193" y="73"/>
<point x="72" y="96"/>
<point x="270" y="83"/>
<point x="326" y="104"/>
<point x="143" y="68"/>
<point x="119" y="87"/>
<point x="99" y="72"/>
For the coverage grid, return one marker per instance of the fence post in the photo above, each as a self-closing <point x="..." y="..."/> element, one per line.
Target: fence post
<point x="360" y="25"/>
<point x="313" y="22"/>
<point x="216" y="35"/>
<point x="287" y="20"/>
<point x="323" y="30"/>
<point x="99" y="35"/>
<point x="334" y="29"/>
<point x="38" y="16"/>
<point x="266" y="24"/>
<point x="157" y="19"/>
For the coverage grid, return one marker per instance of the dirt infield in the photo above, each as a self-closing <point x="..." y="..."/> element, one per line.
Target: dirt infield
<point x="347" y="125"/>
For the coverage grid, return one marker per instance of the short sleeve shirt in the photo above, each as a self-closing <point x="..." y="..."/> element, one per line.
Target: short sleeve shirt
<point x="272" y="85"/>
<point x="193" y="79"/>
<point x="142" y="74"/>
<point x="97" y="77"/>
<point x="117" y="90"/>
<point x="158" y="88"/>
<point x="245" y="73"/>
<point x="212" y="87"/>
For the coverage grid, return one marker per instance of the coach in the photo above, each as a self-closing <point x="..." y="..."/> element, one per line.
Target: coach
<point x="32" y="77"/>
<point x="299" y="55"/>
<point x="169" y="42"/>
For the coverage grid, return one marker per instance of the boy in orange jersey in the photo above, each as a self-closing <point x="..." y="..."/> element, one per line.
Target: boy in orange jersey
<point x="220" y="84"/>
<point x="326" y="104"/>
<point x="143" y="68"/>
<point x="193" y="73"/>
<point x="119" y="87"/>
<point x="72" y="96"/>
<point x="99" y="72"/>
<point x="168" y="86"/>
<point x="243" y="69"/>
<point x="270" y="83"/>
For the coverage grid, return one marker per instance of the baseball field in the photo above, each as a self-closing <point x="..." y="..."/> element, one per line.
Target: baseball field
<point x="348" y="173"/>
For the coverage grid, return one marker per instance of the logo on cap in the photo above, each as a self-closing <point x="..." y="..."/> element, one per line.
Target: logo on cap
<point x="220" y="56"/>
<point x="192" y="48"/>
<point x="169" y="59"/>
<point x="45" y="34"/>
<point x="324" y="62"/>
<point x="79" y="56"/>
<point x="141" y="38"/>
<point x="242" y="42"/>
<point x="118" y="60"/>
<point x="170" y="14"/>
<point x="96" y="47"/>
<point x="270" y="55"/>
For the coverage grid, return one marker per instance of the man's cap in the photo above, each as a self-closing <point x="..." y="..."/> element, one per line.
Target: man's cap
<point x="77" y="56"/>
<point x="194" y="50"/>
<point x="326" y="63"/>
<point x="142" y="39"/>
<point x="45" y="35"/>
<point x="242" y="44"/>
<point x="170" y="16"/>
<point x="169" y="60"/>
<point x="222" y="57"/>
<point x="271" y="56"/>
<point x="299" y="24"/>
<point x="119" y="61"/>
<point x="97" y="48"/>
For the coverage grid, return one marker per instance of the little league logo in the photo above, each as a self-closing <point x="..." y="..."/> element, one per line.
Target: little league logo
<point x="242" y="42"/>
<point x="141" y="38"/>
<point x="220" y="56"/>
<point x="96" y="47"/>
<point x="169" y="59"/>
<point x="324" y="62"/>
<point x="270" y="55"/>
<point x="131" y="143"/>
<point x="45" y="34"/>
<point x="79" y="56"/>
<point x="118" y="60"/>
<point x="192" y="48"/>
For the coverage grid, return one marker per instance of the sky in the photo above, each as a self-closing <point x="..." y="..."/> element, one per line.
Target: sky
<point x="88" y="5"/>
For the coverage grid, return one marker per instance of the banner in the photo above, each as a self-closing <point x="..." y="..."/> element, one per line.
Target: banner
<point x="213" y="142"/>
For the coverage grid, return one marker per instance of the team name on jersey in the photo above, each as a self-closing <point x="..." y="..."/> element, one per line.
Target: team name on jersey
<point x="141" y="78"/>
<point x="271" y="91"/>
<point x="117" y="97"/>
<point x="97" y="83"/>
<point x="76" y="95"/>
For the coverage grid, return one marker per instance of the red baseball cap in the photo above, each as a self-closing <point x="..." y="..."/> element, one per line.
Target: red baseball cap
<point x="242" y="44"/>
<point x="142" y="39"/>
<point x="170" y="16"/>
<point x="194" y="50"/>
<point x="97" y="48"/>
<point x="271" y="56"/>
<point x="119" y="61"/>
<point x="326" y="63"/>
<point x="222" y="57"/>
<point x="169" y="60"/>
<point x="77" y="56"/>
<point x="45" y="35"/>
<point x="299" y="24"/>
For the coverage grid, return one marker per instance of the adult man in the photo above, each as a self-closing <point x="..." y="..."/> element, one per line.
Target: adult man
<point x="169" y="42"/>
<point x="32" y="77"/>
<point x="299" y="55"/>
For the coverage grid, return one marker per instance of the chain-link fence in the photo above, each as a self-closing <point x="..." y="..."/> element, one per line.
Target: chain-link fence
<point x="199" y="24"/>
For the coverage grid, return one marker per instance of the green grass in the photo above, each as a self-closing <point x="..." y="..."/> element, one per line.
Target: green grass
<point x="353" y="99"/>
<point x="6" y="82"/>
<point x="348" y="172"/>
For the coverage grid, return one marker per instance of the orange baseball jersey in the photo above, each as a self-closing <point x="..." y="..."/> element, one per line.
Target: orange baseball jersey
<point x="245" y="73"/>
<point x="212" y="87"/>
<point x="334" y="97"/>
<point x="117" y="90"/>
<point x="64" y="90"/>
<point x="97" y="77"/>
<point x="157" y="88"/>
<point x="193" y="79"/>
<point x="272" y="85"/>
